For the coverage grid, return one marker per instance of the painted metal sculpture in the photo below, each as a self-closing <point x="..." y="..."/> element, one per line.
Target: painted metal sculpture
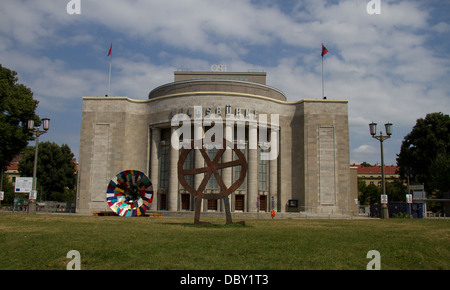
<point x="130" y="193"/>
<point x="212" y="168"/>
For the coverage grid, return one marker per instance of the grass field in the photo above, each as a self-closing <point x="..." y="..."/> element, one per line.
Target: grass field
<point x="42" y="242"/>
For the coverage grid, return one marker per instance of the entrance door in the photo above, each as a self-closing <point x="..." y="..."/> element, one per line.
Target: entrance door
<point x="239" y="202"/>
<point x="212" y="204"/>
<point x="185" y="201"/>
<point x="163" y="202"/>
<point x="262" y="202"/>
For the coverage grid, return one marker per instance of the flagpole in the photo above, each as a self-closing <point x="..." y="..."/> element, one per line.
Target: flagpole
<point x="323" y="90"/>
<point x="109" y="77"/>
<point x="110" y="63"/>
<point x="324" y="51"/>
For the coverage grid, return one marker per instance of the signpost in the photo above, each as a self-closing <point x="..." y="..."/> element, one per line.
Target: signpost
<point x="25" y="184"/>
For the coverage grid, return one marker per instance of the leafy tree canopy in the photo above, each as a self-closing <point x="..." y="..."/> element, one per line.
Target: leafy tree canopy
<point x="17" y="106"/>
<point x="425" y="153"/>
<point x="55" y="170"/>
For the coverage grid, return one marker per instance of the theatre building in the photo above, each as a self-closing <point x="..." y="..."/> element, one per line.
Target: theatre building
<point x="297" y="152"/>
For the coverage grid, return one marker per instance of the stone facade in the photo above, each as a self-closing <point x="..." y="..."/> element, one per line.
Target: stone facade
<point x="311" y="169"/>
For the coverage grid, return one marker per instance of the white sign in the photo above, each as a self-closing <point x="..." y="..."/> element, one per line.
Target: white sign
<point x="32" y="194"/>
<point x="384" y="198"/>
<point x="2" y="195"/>
<point x="409" y="198"/>
<point x="23" y="184"/>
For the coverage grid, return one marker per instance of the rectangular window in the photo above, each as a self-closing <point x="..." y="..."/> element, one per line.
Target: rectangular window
<point x="212" y="182"/>
<point x="164" y="169"/>
<point x="189" y="164"/>
<point x="237" y="171"/>
<point x="262" y="172"/>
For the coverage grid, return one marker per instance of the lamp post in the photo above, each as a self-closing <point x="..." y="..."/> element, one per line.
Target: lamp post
<point x="37" y="132"/>
<point x="381" y="138"/>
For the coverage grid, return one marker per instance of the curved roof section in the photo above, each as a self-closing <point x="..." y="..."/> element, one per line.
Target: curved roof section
<point x="225" y="86"/>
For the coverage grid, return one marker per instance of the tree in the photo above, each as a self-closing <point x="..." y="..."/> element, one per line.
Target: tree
<point x="368" y="194"/>
<point x="8" y="189"/>
<point x="55" y="171"/>
<point x="17" y="106"/>
<point x="440" y="175"/>
<point x="365" y="164"/>
<point x="423" y="150"/>
<point x="396" y="190"/>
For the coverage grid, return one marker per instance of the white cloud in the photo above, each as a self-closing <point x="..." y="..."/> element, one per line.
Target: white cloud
<point x="383" y="64"/>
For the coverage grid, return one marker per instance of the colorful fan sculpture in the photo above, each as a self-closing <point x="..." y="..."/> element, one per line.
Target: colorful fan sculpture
<point x="130" y="193"/>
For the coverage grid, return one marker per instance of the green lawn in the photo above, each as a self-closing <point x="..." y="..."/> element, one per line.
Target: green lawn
<point x="42" y="242"/>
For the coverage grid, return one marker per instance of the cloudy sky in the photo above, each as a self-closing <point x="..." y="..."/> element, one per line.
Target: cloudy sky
<point x="392" y="66"/>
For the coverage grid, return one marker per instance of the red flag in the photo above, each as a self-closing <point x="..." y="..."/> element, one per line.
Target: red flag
<point x="110" y="50"/>
<point x="324" y="50"/>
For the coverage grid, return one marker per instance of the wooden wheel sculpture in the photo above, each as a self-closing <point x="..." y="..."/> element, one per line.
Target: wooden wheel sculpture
<point x="212" y="168"/>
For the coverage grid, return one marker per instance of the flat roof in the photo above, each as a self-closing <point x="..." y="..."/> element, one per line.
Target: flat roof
<point x="252" y="77"/>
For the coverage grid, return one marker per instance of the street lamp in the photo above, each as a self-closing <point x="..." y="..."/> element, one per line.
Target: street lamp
<point x="37" y="132"/>
<point x="381" y="138"/>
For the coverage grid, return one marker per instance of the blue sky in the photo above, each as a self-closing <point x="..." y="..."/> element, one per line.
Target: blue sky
<point x="392" y="67"/>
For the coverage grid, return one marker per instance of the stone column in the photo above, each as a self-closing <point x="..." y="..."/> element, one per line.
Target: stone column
<point x="198" y="158"/>
<point x="227" y="157"/>
<point x="154" y="164"/>
<point x="252" y="174"/>
<point x="273" y="169"/>
<point x="172" y="197"/>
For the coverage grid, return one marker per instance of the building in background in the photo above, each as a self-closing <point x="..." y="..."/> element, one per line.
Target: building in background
<point x="372" y="174"/>
<point x="310" y="171"/>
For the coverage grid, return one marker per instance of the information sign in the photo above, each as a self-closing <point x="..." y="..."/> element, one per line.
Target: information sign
<point x="23" y="184"/>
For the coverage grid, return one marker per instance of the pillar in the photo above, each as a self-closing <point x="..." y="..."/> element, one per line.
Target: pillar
<point x="198" y="158"/>
<point x="172" y="197"/>
<point x="227" y="156"/>
<point x="154" y="164"/>
<point x="252" y="174"/>
<point x="273" y="169"/>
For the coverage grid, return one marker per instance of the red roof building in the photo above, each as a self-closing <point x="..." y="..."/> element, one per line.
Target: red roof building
<point x="372" y="174"/>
